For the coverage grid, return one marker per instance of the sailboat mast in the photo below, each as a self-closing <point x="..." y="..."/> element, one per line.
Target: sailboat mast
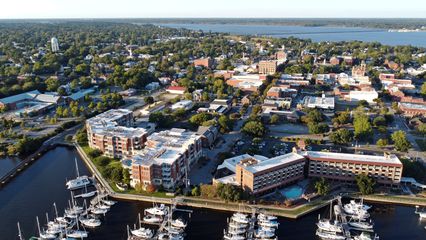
<point x="38" y="226"/>
<point x="20" y="233"/>
<point x="56" y="210"/>
<point x="76" y="167"/>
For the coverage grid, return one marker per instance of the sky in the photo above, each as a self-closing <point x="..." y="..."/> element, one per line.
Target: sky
<point x="10" y="9"/>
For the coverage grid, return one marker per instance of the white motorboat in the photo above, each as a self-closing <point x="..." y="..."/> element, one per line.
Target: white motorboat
<point x="77" y="234"/>
<point x="157" y="210"/>
<point x="240" y="218"/>
<point x="366" y="236"/>
<point x="143" y="232"/>
<point x="109" y="202"/>
<point x="236" y="231"/>
<point x="357" y="205"/>
<point x="98" y="211"/>
<point x="269" y="223"/>
<point x="179" y="223"/>
<point x="329" y="235"/>
<point x="262" y="217"/>
<point x="103" y="206"/>
<point x="90" y="222"/>
<point x="152" y="219"/>
<point x="174" y="230"/>
<point x="361" y="225"/>
<point x="233" y="224"/>
<point x="79" y="181"/>
<point x="326" y="225"/>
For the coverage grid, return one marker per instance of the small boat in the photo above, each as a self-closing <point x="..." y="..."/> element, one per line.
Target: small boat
<point x="103" y="206"/>
<point x="366" y="236"/>
<point x="174" y="230"/>
<point x="77" y="234"/>
<point x="361" y="225"/>
<point x="98" y="211"/>
<point x="160" y="211"/>
<point x="326" y="225"/>
<point x="90" y="222"/>
<point x="262" y="216"/>
<point x="329" y="235"/>
<point x="109" y="202"/>
<point x="264" y="234"/>
<point x="143" y="232"/>
<point x="152" y="219"/>
<point x="79" y="181"/>
<point x="86" y="195"/>
<point x="179" y="223"/>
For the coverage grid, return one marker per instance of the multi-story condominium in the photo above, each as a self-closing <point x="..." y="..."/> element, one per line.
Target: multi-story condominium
<point x="385" y="169"/>
<point x="204" y="62"/>
<point x="166" y="159"/>
<point x="112" y="133"/>
<point x="268" y="67"/>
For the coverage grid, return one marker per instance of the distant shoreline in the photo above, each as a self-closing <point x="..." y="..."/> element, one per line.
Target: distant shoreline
<point x="376" y="23"/>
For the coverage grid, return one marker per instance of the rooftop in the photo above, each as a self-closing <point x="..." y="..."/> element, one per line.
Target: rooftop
<point x="273" y="162"/>
<point x="393" y="159"/>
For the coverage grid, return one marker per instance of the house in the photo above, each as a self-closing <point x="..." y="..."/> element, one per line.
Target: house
<point x="208" y="135"/>
<point x="184" y="104"/>
<point x="152" y="86"/>
<point x="221" y="106"/>
<point x="367" y="94"/>
<point x="176" y="90"/>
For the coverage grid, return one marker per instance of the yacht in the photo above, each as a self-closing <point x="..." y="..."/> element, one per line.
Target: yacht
<point x="329" y="235"/>
<point x="109" y="202"/>
<point x="233" y="237"/>
<point x="174" y="230"/>
<point x="240" y="218"/>
<point x="264" y="234"/>
<point x="142" y="232"/>
<point x="179" y="223"/>
<point x="79" y="181"/>
<point x="160" y="211"/>
<point x="152" y="219"/>
<point x="326" y="225"/>
<point x="98" y="211"/>
<point x="361" y="225"/>
<point x="357" y="205"/>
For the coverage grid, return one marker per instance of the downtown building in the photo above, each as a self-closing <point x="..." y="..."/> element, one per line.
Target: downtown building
<point x="112" y="133"/>
<point x="260" y="175"/>
<point x="166" y="159"/>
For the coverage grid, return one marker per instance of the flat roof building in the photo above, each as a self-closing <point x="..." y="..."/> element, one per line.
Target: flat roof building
<point x="112" y="133"/>
<point x="166" y="159"/>
<point x="322" y="102"/>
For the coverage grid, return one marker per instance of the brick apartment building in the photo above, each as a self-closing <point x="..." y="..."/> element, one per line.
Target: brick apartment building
<point x="267" y="67"/>
<point x="112" y="133"/>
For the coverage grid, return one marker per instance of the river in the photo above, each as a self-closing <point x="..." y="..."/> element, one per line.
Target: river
<point x="317" y="34"/>
<point x="33" y="192"/>
<point x="7" y="164"/>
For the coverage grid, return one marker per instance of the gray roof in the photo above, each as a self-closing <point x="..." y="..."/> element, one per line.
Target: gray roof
<point x="20" y="97"/>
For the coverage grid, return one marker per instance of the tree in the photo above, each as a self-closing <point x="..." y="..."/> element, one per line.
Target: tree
<point x="379" y="121"/>
<point x="274" y="119"/>
<point x="199" y="118"/>
<point x="160" y="119"/>
<point x="342" y="118"/>
<point x="362" y="127"/>
<point x="253" y="128"/>
<point x="196" y="191"/>
<point x="322" y="187"/>
<point x="341" y="136"/>
<point x="150" y="188"/>
<point x="365" y="184"/>
<point x="317" y="128"/>
<point x="225" y="123"/>
<point x="52" y="84"/>
<point x="382" y="142"/>
<point x="423" y="89"/>
<point x="149" y="100"/>
<point x="422" y="128"/>
<point x="400" y="141"/>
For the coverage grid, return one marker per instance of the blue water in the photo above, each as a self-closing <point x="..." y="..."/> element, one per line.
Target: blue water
<point x="317" y="34"/>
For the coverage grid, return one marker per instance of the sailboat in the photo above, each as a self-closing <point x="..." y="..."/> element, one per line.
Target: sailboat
<point x="86" y="194"/>
<point x="79" y="182"/>
<point x="44" y="235"/>
<point x="77" y="233"/>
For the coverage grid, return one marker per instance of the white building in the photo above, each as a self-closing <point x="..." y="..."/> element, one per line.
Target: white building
<point x="55" y="44"/>
<point x="184" y="104"/>
<point x="322" y="102"/>
<point x="368" y="96"/>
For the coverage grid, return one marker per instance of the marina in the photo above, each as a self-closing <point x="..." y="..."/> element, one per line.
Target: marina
<point x="42" y="184"/>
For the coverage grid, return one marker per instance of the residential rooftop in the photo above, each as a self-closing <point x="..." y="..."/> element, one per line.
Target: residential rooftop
<point x="388" y="159"/>
<point x="260" y="166"/>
